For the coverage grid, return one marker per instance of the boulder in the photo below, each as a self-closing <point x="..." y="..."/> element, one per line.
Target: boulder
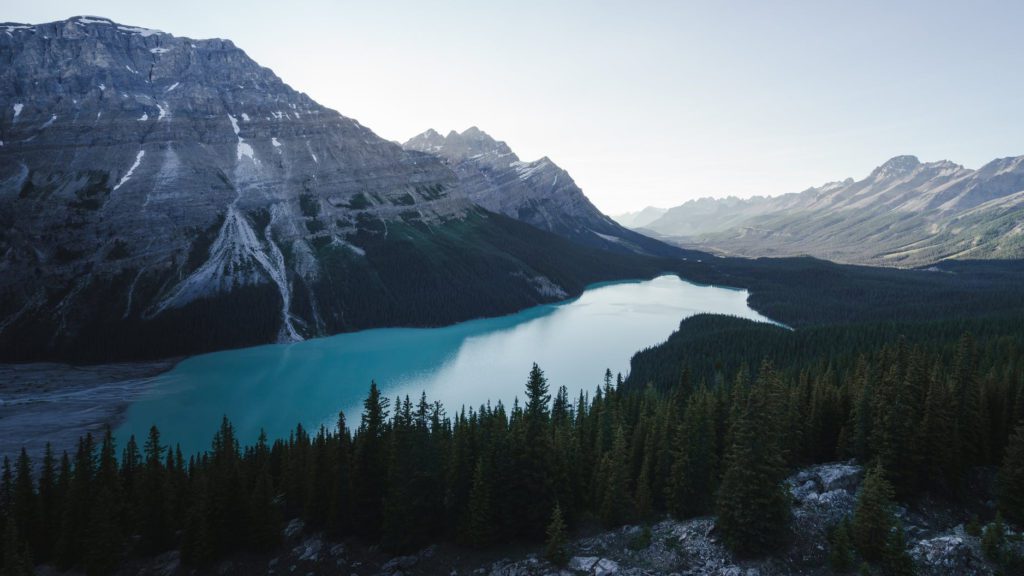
<point x="293" y="529"/>
<point x="840" y="477"/>
<point x="399" y="563"/>
<point x="309" y="550"/>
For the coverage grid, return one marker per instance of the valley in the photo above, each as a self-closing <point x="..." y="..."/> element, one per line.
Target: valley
<point x="241" y="332"/>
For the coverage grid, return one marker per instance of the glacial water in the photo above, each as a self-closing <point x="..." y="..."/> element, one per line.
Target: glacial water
<point x="274" y="387"/>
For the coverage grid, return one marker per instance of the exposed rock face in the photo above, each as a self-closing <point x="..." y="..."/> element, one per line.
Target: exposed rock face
<point x="904" y="213"/>
<point x="162" y="195"/>
<point x="539" y="193"/>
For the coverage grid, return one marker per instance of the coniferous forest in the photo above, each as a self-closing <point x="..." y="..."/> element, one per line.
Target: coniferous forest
<point x="924" y="411"/>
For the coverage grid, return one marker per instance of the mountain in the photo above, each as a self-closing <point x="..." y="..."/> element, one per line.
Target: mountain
<point x="162" y="196"/>
<point x="905" y="213"/>
<point x="539" y="193"/>
<point x="639" y="218"/>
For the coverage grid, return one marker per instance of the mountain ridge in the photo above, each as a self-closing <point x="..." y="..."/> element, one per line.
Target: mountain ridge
<point x="904" y="213"/>
<point x="538" y="192"/>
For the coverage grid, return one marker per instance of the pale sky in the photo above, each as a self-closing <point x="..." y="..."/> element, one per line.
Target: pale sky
<point x="644" y="103"/>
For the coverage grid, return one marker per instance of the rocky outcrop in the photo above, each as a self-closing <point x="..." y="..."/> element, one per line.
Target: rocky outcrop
<point x="905" y="213"/>
<point x="539" y="193"/>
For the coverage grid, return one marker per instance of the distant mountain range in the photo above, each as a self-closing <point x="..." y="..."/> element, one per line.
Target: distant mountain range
<point x="905" y="213"/>
<point x="161" y="195"/>
<point x="641" y="217"/>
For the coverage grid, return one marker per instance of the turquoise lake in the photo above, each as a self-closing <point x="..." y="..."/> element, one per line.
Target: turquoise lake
<point x="274" y="387"/>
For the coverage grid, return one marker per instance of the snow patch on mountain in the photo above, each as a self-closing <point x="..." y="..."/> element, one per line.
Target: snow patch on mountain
<point x="128" y="174"/>
<point x="144" y="32"/>
<point x="91" y="20"/>
<point x="244" y="149"/>
<point x="608" y="237"/>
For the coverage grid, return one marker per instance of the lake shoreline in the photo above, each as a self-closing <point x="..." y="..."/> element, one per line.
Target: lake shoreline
<point x="34" y="396"/>
<point x="55" y="403"/>
<point x="271" y="388"/>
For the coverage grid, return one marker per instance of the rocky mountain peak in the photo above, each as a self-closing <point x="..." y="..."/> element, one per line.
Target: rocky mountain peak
<point x="896" y="167"/>
<point x="1004" y="166"/>
<point x="457" y="146"/>
<point x="539" y="192"/>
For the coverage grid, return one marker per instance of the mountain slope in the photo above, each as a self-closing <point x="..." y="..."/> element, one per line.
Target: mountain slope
<point x="162" y="195"/>
<point x="904" y="213"/>
<point x="539" y="193"/>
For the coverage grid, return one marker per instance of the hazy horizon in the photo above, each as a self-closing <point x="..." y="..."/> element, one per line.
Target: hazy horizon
<point x="650" y="104"/>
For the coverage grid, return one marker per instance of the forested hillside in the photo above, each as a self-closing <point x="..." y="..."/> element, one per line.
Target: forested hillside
<point x="924" y="409"/>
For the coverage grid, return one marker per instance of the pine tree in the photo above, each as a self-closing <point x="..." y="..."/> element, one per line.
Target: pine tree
<point x="873" y="519"/>
<point x="967" y="438"/>
<point x="530" y="490"/>
<point x="538" y="399"/>
<point x="264" y="525"/>
<point x="895" y="560"/>
<point x="154" y="491"/>
<point x="560" y="408"/>
<point x="402" y="528"/>
<point x="16" y="560"/>
<point x="898" y="424"/>
<point x="644" y="498"/>
<point x="341" y="500"/>
<point x="1018" y="405"/>
<point x="228" y="496"/>
<point x="1011" y="480"/>
<point x="6" y="488"/>
<point x="694" y="472"/>
<point x="753" y="506"/>
<point x="479" y="528"/>
<point x="131" y="470"/>
<point x="840" y="554"/>
<point x="859" y="427"/>
<point x="933" y="439"/>
<point x="78" y="510"/>
<point x="105" y="539"/>
<point x="993" y="539"/>
<point x="616" y="504"/>
<point x="48" y="509"/>
<point x="198" y="546"/>
<point x="556" y="550"/>
<point x="23" y="503"/>
<point x="369" y="476"/>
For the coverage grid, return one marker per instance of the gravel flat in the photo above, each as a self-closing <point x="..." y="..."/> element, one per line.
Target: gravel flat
<point x="57" y="403"/>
